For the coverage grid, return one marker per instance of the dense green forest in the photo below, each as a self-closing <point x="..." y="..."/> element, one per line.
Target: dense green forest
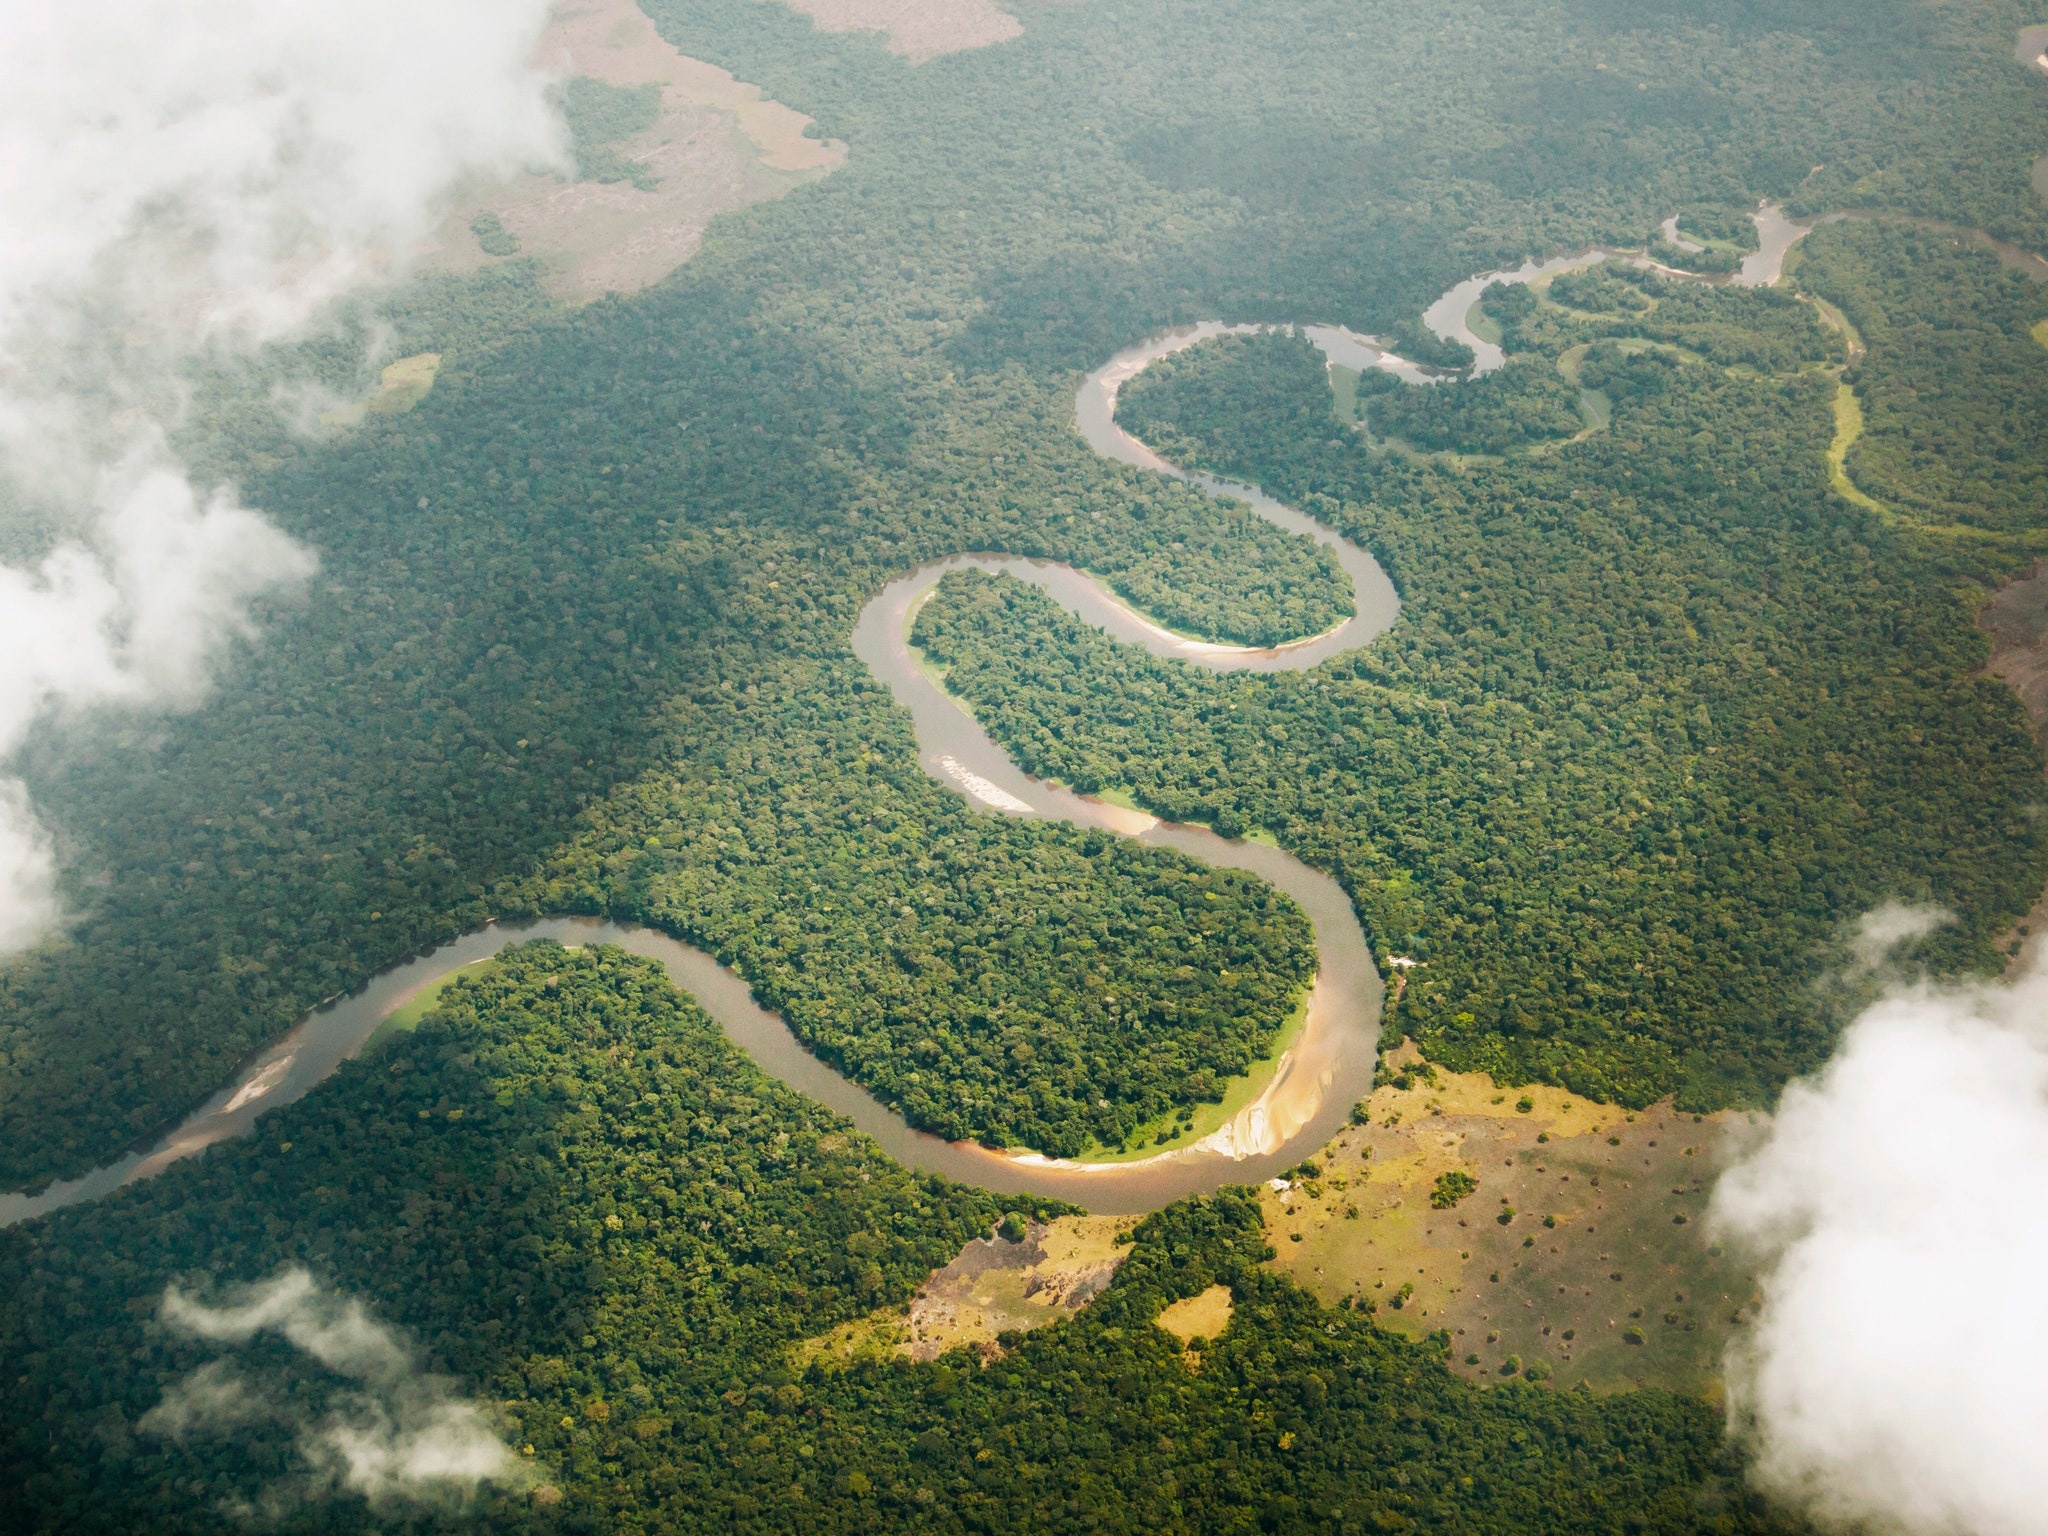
<point x="1635" y="752"/>
<point x="1660" y="716"/>
<point x="573" y="1196"/>
<point x="985" y="978"/>
<point x="1951" y="382"/>
<point x="1520" y="403"/>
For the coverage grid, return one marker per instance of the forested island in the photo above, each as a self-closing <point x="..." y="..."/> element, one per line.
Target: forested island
<point x="1687" y="674"/>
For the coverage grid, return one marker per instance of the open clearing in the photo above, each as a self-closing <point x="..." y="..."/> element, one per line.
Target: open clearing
<point x="1581" y="1251"/>
<point x="1201" y="1316"/>
<point x="994" y="1287"/>
<point x="2017" y="621"/>
<point x="718" y="145"/>
<point x="401" y="386"/>
<point x="917" y="30"/>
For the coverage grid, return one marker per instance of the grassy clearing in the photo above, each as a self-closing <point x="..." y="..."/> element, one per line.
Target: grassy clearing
<point x="916" y="30"/>
<point x="405" y="383"/>
<point x="1344" y="389"/>
<point x="1839" y="323"/>
<point x="717" y="144"/>
<point x="1198" y="1317"/>
<point x="994" y="1287"/>
<point x="1848" y="427"/>
<point x="405" y="1018"/>
<point x="401" y="386"/>
<point x="1580" y="1254"/>
<point x="1481" y="324"/>
<point x="1168" y="1134"/>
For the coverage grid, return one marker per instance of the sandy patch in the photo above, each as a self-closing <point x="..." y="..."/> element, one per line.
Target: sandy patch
<point x="917" y="30"/>
<point x="994" y="1287"/>
<point x="1601" y="1271"/>
<point x="718" y="145"/>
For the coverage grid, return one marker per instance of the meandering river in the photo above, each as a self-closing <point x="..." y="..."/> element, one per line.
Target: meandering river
<point x="1325" y="1068"/>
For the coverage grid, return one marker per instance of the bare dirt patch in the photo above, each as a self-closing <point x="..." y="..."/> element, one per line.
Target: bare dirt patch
<point x="2017" y="621"/>
<point x="717" y="145"/>
<point x="1580" y="1250"/>
<point x="917" y="30"/>
<point x="994" y="1287"/>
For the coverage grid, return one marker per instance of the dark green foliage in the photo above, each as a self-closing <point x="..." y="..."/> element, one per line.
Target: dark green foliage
<point x="1953" y="387"/>
<point x="573" y="1196"/>
<point x="1520" y="403"/>
<point x="566" y="1186"/>
<point x="873" y="372"/>
<point x="598" y="115"/>
<point x="1661" y="716"/>
<point x="1709" y="262"/>
<point x="1606" y="289"/>
<point x="1451" y="1188"/>
<point x="1705" y="224"/>
<point x="1762" y="330"/>
<point x="987" y="976"/>
<point x="492" y="237"/>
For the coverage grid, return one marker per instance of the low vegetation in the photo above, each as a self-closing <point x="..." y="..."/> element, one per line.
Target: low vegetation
<point x="1574" y="1246"/>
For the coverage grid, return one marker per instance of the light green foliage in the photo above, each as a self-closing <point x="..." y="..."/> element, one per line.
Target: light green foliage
<point x="492" y="237"/>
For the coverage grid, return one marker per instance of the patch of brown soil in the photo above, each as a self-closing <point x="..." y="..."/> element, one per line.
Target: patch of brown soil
<point x="1581" y="1252"/>
<point x="918" y="30"/>
<point x="2017" y="621"/>
<point x="994" y="1287"/>
<point x="718" y="145"/>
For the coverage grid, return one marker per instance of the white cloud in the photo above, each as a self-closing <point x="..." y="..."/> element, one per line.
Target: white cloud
<point x="340" y="1335"/>
<point x="398" y="1433"/>
<point x="1898" y="1373"/>
<point x="214" y="1398"/>
<point x="184" y="175"/>
<point x="1880" y="932"/>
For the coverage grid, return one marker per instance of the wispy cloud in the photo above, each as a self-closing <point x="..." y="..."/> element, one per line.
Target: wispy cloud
<point x="394" y="1433"/>
<point x="1880" y="932"/>
<point x="183" y="176"/>
<point x="1897" y="1376"/>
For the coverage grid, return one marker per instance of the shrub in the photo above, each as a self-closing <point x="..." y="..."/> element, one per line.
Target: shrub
<point x="1451" y="1188"/>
